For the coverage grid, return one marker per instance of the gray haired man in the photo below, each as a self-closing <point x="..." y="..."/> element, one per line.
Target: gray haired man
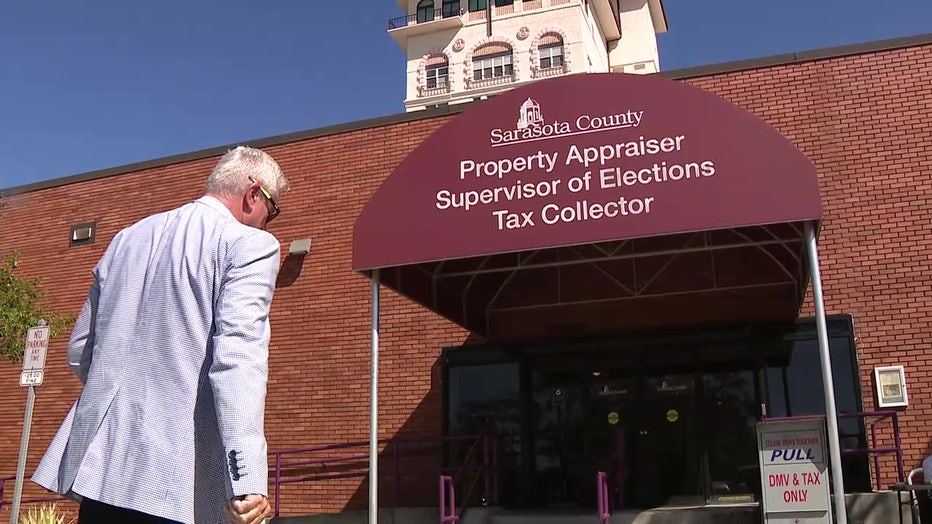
<point x="172" y="349"/>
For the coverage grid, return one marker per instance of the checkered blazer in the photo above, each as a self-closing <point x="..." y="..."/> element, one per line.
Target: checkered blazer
<point x="172" y="348"/>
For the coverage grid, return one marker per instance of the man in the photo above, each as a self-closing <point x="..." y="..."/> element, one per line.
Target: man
<point x="172" y="348"/>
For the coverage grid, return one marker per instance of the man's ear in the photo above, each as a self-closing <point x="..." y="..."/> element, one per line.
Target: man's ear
<point x="250" y="199"/>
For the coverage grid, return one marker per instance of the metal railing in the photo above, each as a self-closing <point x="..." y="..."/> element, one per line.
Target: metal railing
<point x="311" y="468"/>
<point x="447" y="500"/>
<point x="24" y="500"/>
<point x="319" y="463"/>
<point x="603" y="509"/>
<point x="423" y="17"/>
<point x="485" y="469"/>
<point x="481" y="459"/>
<point x="872" y="449"/>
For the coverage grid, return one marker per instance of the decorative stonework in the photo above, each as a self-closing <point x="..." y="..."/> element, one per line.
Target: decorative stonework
<point x="523" y="33"/>
<point x="422" y="89"/>
<point x="467" y="63"/>
<point x="458" y="45"/>
<point x="535" y="46"/>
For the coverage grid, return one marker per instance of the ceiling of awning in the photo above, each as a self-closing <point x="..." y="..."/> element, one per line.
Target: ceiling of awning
<point x="714" y="204"/>
<point x="756" y="273"/>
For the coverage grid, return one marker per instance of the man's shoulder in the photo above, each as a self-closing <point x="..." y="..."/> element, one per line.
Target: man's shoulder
<point x="237" y="233"/>
<point x="147" y="226"/>
<point x="237" y="239"/>
<point x="218" y="227"/>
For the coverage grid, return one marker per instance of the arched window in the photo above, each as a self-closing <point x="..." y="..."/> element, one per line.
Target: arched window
<point x="550" y="51"/>
<point x="493" y="60"/>
<point x="425" y="11"/>
<point x="436" y="73"/>
<point x="450" y="8"/>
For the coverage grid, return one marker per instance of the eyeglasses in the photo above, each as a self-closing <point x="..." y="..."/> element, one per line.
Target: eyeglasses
<point x="275" y="209"/>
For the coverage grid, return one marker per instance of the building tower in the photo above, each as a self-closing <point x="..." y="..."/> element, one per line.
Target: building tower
<point x="464" y="50"/>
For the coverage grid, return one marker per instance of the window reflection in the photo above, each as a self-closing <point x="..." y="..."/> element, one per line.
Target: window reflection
<point x="795" y="389"/>
<point x="731" y="418"/>
<point x="580" y="423"/>
<point x="485" y="399"/>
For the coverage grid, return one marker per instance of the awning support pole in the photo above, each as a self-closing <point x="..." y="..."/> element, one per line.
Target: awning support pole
<point x="831" y="413"/>
<point x="374" y="407"/>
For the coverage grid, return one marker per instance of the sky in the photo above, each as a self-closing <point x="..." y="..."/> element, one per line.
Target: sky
<point x="92" y="85"/>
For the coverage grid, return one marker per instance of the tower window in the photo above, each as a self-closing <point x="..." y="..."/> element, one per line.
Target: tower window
<point x="551" y="55"/>
<point x="425" y="11"/>
<point x="437" y="75"/>
<point x="482" y="5"/>
<point x="450" y="8"/>
<point x="492" y="66"/>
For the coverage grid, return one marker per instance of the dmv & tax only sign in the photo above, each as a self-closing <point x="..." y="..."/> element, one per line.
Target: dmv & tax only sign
<point x="794" y="471"/>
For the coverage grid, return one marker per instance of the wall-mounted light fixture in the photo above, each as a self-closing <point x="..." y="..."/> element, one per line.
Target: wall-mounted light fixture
<point x="301" y="246"/>
<point x="83" y="233"/>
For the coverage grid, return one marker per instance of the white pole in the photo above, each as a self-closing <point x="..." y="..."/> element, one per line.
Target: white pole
<point x="374" y="407"/>
<point x="831" y="414"/>
<point x="24" y="443"/>
<point x="23" y="449"/>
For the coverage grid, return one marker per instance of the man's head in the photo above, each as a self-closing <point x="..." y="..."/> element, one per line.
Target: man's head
<point x="249" y="182"/>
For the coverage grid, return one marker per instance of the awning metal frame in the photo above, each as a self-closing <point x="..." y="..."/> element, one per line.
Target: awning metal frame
<point x="807" y="250"/>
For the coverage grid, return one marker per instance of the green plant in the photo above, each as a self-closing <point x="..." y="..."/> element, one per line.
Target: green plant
<point x="21" y="307"/>
<point x="45" y="514"/>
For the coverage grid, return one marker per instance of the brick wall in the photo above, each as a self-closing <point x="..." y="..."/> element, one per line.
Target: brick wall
<point x="862" y="119"/>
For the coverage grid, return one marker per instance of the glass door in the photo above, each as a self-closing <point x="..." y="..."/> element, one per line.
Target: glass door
<point x="730" y="410"/>
<point x="582" y="425"/>
<point x="640" y="431"/>
<point x="665" y="458"/>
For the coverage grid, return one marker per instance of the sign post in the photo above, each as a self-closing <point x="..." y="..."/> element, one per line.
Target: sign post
<point x="37" y="346"/>
<point x="794" y="471"/>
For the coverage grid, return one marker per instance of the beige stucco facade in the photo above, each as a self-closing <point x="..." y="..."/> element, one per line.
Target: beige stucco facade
<point x="636" y="50"/>
<point x="448" y="34"/>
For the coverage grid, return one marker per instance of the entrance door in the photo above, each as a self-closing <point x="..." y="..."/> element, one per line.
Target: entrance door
<point x="665" y="465"/>
<point x="638" y="430"/>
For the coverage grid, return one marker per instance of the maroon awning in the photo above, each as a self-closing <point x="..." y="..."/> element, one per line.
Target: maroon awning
<point x="542" y="202"/>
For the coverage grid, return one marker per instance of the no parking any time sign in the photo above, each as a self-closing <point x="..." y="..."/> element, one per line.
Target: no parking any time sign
<point x="37" y="346"/>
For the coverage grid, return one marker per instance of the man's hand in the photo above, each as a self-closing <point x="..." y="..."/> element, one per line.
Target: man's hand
<point x="251" y="509"/>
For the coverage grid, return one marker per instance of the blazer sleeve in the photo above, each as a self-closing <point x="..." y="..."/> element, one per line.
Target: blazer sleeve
<point x="239" y="370"/>
<point x="81" y="342"/>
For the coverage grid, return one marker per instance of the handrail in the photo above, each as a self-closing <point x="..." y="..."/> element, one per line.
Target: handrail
<point x="279" y="465"/>
<point x="422" y="17"/>
<point x="447" y="514"/>
<point x="472" y="485"/>
<point x="873" y="448"/>
<point x="491" y="477"/>
<point x="355" y="465"/>
<point x="603" y="510"/>
<point x="485" y="469"/>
